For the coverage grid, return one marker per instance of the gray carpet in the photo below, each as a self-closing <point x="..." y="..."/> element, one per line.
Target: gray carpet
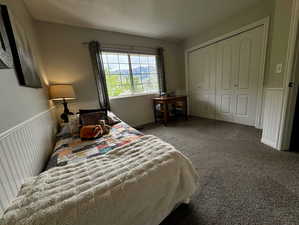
<point x="241" y="180"/>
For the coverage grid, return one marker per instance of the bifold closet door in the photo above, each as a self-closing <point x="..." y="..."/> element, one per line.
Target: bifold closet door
<point x="225" y="73"/>
<point x="224" y="78"/>
<point x="202" y="68"/>
<point x="238" y="66"/>
<point x="249" y="47"/>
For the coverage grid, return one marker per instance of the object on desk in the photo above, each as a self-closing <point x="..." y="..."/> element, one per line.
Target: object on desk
<point x="166" y="108"/>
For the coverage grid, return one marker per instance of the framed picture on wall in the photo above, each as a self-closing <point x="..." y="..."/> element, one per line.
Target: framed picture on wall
<point x="5" y="52"/>
<point x="21" y="51"/>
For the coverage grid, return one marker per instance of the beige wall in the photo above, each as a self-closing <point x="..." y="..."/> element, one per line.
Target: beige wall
<point x="278" y="42"/>
<point x="234" y="22"/>
<point x="20" y="103"/>
<point x="280" y="15"/>
<point x="68" y="61"/>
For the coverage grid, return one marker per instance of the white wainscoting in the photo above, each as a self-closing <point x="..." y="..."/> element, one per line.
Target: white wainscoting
<point x="24" y="150"/>
<point x="272" y="115"/>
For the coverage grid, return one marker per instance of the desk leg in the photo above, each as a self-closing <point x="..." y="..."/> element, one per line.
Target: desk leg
<point x="155" y="111"/>
<point x="186" y="110"/>
<point x="165" y="113"/>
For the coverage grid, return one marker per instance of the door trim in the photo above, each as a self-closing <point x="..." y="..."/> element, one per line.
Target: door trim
<point x="263" y="22"/>
<point x="289" y="94"/>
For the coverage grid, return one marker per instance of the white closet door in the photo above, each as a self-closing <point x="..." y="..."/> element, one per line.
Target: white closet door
<point x="202" y="68"/>
<point x="225" y="101"/>
<point x="238" y="67"/>
<point x="248" y="45"/>
<point x="224" y="77"/>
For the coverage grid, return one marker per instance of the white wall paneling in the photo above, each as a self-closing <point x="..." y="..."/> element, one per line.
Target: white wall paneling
<point x="272" y="113"/>
<point x="24" y="150"/>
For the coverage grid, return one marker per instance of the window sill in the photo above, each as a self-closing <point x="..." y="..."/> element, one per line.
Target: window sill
<point x="134" y="95"/>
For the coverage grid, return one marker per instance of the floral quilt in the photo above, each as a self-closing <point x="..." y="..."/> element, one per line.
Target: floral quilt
<point x="70" y="148"/>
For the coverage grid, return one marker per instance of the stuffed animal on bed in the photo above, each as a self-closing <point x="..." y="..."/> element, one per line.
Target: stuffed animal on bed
<point x="94" y="131"/>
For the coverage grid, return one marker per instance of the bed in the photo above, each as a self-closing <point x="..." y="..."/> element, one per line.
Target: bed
<point x="122" y="178"/>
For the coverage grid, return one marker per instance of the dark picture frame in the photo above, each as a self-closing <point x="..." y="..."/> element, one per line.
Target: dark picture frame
<point x="21" y="51"/>
<point x="6" y="60"/>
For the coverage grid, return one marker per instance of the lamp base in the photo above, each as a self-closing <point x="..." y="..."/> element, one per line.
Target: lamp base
<point x="65" y="115"/>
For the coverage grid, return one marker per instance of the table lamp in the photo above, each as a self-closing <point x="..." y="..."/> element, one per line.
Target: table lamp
<point x="62" y="92"/>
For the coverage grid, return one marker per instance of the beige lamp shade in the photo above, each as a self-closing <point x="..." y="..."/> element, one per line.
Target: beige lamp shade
<point x="62" y="91"/>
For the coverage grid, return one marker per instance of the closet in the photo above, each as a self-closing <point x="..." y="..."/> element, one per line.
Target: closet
<point x="224" y="78"/>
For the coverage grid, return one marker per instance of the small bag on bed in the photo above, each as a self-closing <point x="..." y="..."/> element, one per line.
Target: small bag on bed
<point x="93" y="116"/>
<point x="88" y="132"/>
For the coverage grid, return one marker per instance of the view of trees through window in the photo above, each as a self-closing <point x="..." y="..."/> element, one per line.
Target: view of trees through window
<point x="128" y="74"/>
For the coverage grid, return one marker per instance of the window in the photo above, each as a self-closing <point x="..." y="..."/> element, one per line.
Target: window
<point x="129" y="74"/>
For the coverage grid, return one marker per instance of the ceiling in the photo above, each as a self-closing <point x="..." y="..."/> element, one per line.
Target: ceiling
<point x="163" y="19"/>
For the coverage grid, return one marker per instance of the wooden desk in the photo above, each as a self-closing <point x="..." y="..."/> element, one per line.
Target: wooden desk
<point x="164" y="102"/>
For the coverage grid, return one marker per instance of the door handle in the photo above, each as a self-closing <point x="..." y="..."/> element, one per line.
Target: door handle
<point x="292" y="84"/>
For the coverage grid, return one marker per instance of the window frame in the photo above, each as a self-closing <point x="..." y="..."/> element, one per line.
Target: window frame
<point x="133" y="93"/>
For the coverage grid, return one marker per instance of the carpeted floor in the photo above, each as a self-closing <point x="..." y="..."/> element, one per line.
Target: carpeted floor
<point x="241" y="180"/>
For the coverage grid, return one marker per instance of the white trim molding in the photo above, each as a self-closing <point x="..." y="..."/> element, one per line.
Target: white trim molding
<point x="24" y="151"/>
<point x="290" y="94"/>
<point x="251" y="26"/>
<point x="263" y="22"/>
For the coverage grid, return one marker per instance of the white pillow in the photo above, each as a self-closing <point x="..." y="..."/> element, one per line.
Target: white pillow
<point x="72" y="127"/>
<point x="74" y="123"/>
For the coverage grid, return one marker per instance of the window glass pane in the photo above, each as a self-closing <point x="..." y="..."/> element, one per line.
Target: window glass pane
<point x="152" y="68"/>
<point x="125" y="80"/>
<point x="136" y="69"/>
<point x="148" y="86"/>
<point x="124" y="69"/>
<point x="143" y="59"/>
<point x="137" y="79"/>
<point x="112" y="58"/>
<point x="154" y="78"/>
<point x="104" y="58"/>
<point x="139" y="88"/>
<point x="134" y="58"/>
<point x="144" y="68"/>
<point x="145" y="77"/>
<point x="123" y="58"/>
<point x="106" y="69"/>
<point x="114" y="69"/>
<point x="152" y="59"/>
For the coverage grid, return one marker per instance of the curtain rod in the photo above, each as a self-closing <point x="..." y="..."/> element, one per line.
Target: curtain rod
<point x="120" y="45"/>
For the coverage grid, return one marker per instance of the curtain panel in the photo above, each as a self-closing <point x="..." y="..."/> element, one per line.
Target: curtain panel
<point x="161" y="70"/>
<point x="99" y="74"/>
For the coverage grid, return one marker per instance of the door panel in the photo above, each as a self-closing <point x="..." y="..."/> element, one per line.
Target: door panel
<point x="224" y="80"/>
<point x="249" y="45"/>
<point x="244" y="63"/>
<point x="202" y="82"/>
<point x="226" y="70"/>
<point x="242" y="105"/>
<point x="225" y="106"/>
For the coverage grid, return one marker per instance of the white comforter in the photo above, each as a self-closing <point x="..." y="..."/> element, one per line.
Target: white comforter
<point x="136" y="184"/>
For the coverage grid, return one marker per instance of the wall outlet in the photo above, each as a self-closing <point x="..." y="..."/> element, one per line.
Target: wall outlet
<point x="278" y="68"/>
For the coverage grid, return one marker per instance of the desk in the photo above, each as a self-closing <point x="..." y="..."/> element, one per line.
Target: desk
<point x="164" y="102"/>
